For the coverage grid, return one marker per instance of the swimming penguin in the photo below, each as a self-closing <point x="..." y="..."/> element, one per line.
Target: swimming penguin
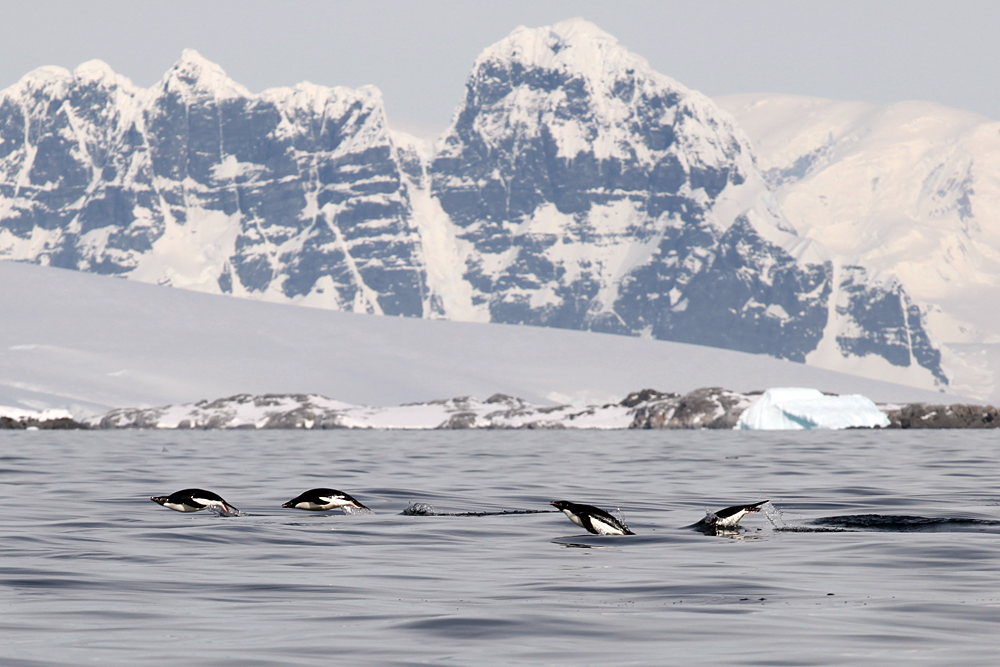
<point x="593" y="519"/>
<point x="193" y="500"/>
<point x="728" y="518"/>
<point x="323" y="499"/>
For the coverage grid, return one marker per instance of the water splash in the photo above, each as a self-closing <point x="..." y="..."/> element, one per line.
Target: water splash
<point x="232" y="511"/>
<point x="351" y="509"/>
<point x="420" y="509"/>
<point x="620" y="515"/>
<point x="774" y="516"/>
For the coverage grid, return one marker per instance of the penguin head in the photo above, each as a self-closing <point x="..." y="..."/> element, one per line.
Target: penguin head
<point x="158" y="499"/>
<point x="561" y="504"/>
<point x="350" y="501"/>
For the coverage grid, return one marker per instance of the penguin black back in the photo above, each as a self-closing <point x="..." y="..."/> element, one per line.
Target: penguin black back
<point x="318" y="500"/>
<point x="728" y="518"/>
<point x="193" y="500"/>
<point x="593" y="519"/>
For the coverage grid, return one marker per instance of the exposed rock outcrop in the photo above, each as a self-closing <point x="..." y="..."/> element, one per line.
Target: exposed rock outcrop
<point x="14" y="423"/>
<point x="924" y="415"/>
<point x="709" y="407"/>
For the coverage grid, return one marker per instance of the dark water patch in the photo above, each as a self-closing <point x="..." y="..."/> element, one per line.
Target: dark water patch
<point x="102" y="556"/>
<point x="266" y="592"/>
<point x="486" y="628"/>
<point x="590" y="541"/>
<point x="51" y="583"/>
<point x="908" y="524"/>
<point x="178" y="536"/>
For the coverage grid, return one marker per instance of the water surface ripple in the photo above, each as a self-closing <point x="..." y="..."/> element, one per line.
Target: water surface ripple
<point x="882" y="548"/>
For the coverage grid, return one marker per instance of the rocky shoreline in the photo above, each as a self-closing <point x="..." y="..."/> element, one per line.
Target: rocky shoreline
<point x="33" y="423"/>
<point x="705" y="408"/>
<point x="959" y="415"/>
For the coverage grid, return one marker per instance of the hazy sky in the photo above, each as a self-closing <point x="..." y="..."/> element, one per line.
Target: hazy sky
<point x="419" y="52"/>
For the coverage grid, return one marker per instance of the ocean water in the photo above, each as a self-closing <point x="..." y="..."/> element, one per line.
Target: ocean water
<point x="878" y="548"/>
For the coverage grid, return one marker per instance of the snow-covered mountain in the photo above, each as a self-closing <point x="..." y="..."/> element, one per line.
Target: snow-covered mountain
<point x="911" y="189"/>
<point x="293" y="194"/>
<point x="576" y="188"/>
<point x="589" y="191"/>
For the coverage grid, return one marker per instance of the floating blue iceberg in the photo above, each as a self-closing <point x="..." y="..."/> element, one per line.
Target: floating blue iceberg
<point x="792" y="408"/>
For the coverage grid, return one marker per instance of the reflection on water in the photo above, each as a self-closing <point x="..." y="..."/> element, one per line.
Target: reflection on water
<point x="877" y="548"/>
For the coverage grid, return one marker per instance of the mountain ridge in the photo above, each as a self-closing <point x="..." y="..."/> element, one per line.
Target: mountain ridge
<point x="907" y="189"/>
<point x="576" y="187"/>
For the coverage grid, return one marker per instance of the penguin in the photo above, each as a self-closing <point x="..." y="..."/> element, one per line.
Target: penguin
<point x="729" y="517"/>
<point x="193" y="500"/>
<point x="593" y="519"/>
<point x="323" y="499"/>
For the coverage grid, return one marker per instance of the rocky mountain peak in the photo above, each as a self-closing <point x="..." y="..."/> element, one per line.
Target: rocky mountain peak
<point x="574" y="47"/>
<point x="584" y="93"/>
<point x="195" y="73"/>
<point x="98" y="71"/>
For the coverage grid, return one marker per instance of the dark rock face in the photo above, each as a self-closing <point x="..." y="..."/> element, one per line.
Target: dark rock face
<point x="645" y="396"/>
<point x="61" y="423"/>
<point x="923" y="415"/>
<point x="888" y="324"/>
<point x="580" y="189"/>
<point x="198" y="183"/>
<point x="593" y="193"/>
<point x="746" y="294"/>
<point x="709" y="407"/>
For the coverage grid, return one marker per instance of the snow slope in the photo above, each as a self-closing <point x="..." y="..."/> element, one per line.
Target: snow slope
<point x="910" y="189"/>
<point x="88" y="343"/>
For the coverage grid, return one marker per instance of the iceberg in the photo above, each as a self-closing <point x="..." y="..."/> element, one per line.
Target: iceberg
<point x="793" y="408"/>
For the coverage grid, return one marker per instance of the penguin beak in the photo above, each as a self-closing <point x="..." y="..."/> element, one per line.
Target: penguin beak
<point x="288" y="504"/>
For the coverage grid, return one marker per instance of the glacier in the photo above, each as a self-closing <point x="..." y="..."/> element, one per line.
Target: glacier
<point x="576" y="188"/>
<point x="910" y="191"/>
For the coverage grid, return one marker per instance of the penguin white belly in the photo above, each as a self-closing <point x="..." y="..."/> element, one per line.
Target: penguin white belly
<point x="574" y="518"/>
<point x="181" y="507"/>
<point x="604" y="528"/>
<point x="307" y="505"/>
<point x="730" y="521"/>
